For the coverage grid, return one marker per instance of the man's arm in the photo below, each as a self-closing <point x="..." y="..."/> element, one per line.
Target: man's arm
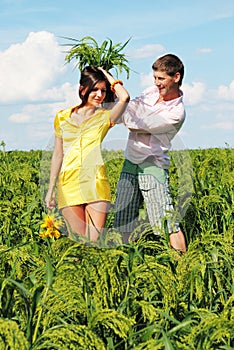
<point x="150" y="120"/>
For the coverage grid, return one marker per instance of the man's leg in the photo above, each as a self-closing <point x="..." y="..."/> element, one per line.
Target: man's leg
<point x="176" y="236"/>
<point x="128" y="200"/>
<point x="153" y="193"/>
<point x="177" y="241"/>
<point x="159" y="207"/>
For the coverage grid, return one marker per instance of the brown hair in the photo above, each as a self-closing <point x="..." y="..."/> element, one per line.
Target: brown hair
<point x="90" y="76"/>
<point x="170" y="64"/>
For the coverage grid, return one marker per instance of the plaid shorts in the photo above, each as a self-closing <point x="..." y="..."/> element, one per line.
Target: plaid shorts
<point x="152" y="188"/>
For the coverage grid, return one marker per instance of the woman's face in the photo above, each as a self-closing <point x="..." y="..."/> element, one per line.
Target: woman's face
<point x="97" y="94"/>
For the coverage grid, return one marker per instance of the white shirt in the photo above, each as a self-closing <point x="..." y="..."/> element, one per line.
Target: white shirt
<point x="152" y="127"/>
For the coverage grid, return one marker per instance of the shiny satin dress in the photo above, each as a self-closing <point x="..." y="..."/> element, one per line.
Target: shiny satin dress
<point x="83" y="177"/>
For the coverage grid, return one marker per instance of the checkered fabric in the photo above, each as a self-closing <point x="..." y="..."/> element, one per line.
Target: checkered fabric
<point x="132" y="190"/>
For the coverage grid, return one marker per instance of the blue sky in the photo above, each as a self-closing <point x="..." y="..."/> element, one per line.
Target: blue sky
<point x="35" y="83"/>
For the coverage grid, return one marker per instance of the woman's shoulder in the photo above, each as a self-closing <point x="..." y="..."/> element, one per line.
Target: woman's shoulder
<point x="63" y="114"/>
<point x="105" y="113"/>
<point x="102" y="116"/>
<point x="61" y="117"/>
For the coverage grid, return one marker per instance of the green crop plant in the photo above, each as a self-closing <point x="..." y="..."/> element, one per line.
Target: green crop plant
<point x="62" y="294"/>
<point x="87" y="51"/>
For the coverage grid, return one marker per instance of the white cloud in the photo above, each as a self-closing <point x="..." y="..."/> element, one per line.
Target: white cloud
<point x="66" y="92"/>
<point x="193" y="94"/>
<point x="39" y="133"/>
<point x="20" y="118"/>
<point x="147" y="79"/>
<point x="32" y="113"/>
<point x="64" y="96"/>
<point x="226" y="125"/>
<point x="29" y="68"/>
<point x="148" y="50"/>
<point x="204" y="50"/>
<point x="226" y="92"/>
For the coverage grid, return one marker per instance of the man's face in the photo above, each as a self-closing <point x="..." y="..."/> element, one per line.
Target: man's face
<point x="167" y="85"/>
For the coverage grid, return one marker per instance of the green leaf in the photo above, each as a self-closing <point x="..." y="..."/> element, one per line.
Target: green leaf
<point x="49" y="272"/>
<point x="86" y="51"/>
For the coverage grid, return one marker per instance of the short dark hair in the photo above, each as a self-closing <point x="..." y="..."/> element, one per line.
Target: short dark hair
<point x="170" y="64"/>
<point x="90" y="76"/>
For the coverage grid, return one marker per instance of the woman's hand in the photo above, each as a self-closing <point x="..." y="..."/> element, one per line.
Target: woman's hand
<point x="122" y="94"/>
<point x="107" y="75"/>
<point x="56" y="163"/>
<point x="50" y="199"/>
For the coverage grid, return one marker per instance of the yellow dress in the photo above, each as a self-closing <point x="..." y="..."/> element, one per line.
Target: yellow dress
<point x="83" y="177"/>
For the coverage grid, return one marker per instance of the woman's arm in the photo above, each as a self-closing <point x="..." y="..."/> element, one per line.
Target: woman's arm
<point x="123" y="97"/>
<point x="56" y="163"/>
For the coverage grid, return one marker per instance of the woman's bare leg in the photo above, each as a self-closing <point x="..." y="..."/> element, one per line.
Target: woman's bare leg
<point x="96" y="214"/>
<point x="75" y="219"/>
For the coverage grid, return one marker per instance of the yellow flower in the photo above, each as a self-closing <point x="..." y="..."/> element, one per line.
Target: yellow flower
<point x="57" y="234"/>
<point x="50" y="227"/>
<point x="51" y="221"/>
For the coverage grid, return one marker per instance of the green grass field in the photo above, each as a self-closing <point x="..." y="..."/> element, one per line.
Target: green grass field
<point x="62" y="294"/>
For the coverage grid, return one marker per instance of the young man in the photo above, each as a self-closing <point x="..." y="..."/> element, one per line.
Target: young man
<point x="153" y="119"/>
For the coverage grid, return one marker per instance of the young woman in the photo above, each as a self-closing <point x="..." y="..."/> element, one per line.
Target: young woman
<point x="77" y="164"/>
